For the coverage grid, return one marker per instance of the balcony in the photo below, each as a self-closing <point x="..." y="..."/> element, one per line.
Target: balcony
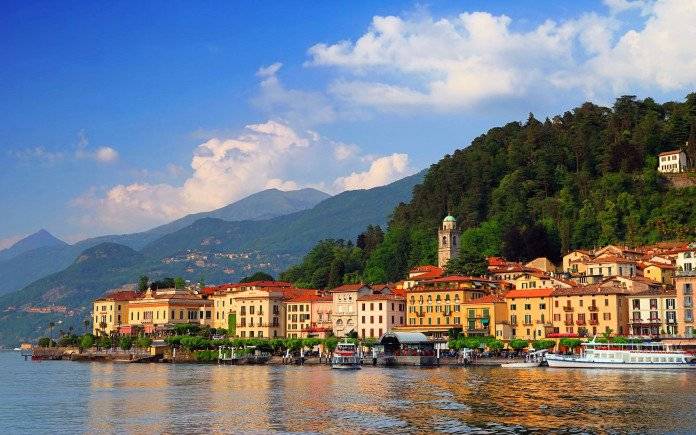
<point x="447" y="313"/>
<point x="568" y="323"/>
<point x="593" y="308"/>
<point x="528" y="323"/>
<point x="594" y="322"/>
<point x="420" y="313"/>
<point x="580" y="322"/>
<point x="567" y="308"/>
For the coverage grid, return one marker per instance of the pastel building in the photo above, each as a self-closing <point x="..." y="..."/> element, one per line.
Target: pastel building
<point x="379" y="313"/>
<point x="672" y="161"/>
<point x="653" y="313"/>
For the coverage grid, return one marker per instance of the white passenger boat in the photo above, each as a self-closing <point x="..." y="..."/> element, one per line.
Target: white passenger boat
<point x="625" y="356"/>
<point x="346" y="356"/>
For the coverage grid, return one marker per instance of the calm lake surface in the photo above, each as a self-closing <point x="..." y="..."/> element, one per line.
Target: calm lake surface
<point x="69" y="397"/>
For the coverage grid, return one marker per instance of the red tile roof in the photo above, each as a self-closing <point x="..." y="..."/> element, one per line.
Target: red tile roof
<point x="347" y="288"/>
<point x="459" y="278"/>
<point x="666" y="153"/>
<point x="122" y="295"/>
<point x="380" y="297"/>
<point x="594" y="289"/>
<point x="529" y="293"/>
<point x="489" y="299"/>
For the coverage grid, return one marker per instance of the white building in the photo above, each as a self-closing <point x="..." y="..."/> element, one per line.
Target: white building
<point x="686" y="261"/>
<point x="672" y="161"/>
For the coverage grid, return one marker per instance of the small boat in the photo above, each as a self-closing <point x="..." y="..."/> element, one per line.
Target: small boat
<point x="625" y="356"/>
<point x="532" y="360"/>
<point x="346" y="356"/>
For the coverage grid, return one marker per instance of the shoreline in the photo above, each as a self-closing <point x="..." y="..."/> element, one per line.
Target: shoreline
<point x="182" y="357"/>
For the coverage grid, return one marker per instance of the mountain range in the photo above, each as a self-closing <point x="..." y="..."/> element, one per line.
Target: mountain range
<point x="41" y="253"/>
<point x="276" y="230"/>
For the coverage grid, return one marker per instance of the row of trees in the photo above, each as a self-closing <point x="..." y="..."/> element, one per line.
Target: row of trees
<point x="197" y="343"/>
<point x="88" y="341"/>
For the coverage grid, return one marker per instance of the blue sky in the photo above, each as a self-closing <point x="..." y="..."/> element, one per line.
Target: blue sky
<point x="119" y="116"/>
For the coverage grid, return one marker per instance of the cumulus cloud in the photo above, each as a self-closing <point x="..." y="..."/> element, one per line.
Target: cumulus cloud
<point x="660" y="55"/>
<point x="267" y="155"/>
<point x="381" y="171"/>
<point x="454" y="63"/>
<point x="102" y="154"/>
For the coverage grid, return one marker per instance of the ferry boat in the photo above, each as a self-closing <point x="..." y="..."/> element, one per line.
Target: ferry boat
<point x="625" y="356"/>
<point x="346" y="356"/>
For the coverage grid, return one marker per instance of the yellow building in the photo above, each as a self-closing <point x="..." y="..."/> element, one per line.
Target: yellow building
<point x="590" y="310"/>
<point x="436" y="306"/>
<point x="225" y="306"/>
<point x="530" y="313"/>
<point x="659" y="272"/>
<point x="158" y="310"/>
<point x="110" y="312"/>
<point x="531" y="280"/>
<point x="574" y="261"/>
<point x="487" y="316"/>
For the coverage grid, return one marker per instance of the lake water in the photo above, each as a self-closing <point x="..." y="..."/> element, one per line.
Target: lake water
<point x="61" y="396"/>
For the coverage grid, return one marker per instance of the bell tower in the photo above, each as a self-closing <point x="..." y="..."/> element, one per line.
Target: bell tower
<point x="447" y="241"/>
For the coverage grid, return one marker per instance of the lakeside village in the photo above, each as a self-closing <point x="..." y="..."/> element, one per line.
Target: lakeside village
<point x="616" y="294"/>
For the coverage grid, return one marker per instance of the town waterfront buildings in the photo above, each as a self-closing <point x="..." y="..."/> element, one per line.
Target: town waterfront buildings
<point x="644" y="291"/>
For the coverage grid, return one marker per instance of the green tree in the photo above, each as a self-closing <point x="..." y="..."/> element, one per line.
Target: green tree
<point x="143" y="283"/>
<point x="258" y="276"/>
<point x="87" y="341"/>
<point x="45" y="342"/>
<point x="518" y="344"/>
<point x="125" y="342"/>
<point x="143" y="342"/>
<point x="179" y="282"/>
<point x="469" y="262"/>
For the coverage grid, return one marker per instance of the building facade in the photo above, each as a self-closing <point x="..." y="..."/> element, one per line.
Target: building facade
<point x="379" y="313"/>
<point x="653" y="313"/>
<point x="672" y="161"/>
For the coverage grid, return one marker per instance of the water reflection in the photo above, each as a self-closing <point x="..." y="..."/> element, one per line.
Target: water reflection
<point x="94" y="397"/>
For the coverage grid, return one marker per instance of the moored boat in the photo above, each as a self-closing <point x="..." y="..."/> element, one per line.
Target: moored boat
<point x="346" y="356"/>
<point x="625" y="356"/>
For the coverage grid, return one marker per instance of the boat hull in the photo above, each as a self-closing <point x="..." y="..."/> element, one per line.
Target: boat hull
<point x="584" y="364"/>
<point x="520" y="365"/>
<point x="345" y="366"/>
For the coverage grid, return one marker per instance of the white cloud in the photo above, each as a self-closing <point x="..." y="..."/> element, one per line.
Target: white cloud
<point x="267" y="155"/>
<point x="106" y="154"/>
<point x="383" y="170"/>
<point x="660" y="55"/>
<point x="344" y="151"/>
<point x="39" y="153"/>
<point x="449" y="64"/>
<point x="296" y="106"/>
<point x="103" y="154"/>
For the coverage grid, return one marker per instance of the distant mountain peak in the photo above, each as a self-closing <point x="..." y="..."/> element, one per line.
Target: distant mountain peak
<point x="39" y="239"/>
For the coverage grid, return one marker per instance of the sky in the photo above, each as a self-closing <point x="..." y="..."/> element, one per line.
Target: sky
<point x="120" y="116"/>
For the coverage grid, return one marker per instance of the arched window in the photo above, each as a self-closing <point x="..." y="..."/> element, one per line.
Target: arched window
<point x="444" y="240"/>
<point x="339" y="322"/>
<point x="430" y="299"/>
<point x="437" y="298"/>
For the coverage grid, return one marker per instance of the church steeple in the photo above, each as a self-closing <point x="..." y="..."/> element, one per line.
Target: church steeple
<point x="447" y="240"/>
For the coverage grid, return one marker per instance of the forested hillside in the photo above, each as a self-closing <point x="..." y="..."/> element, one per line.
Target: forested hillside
<point x="584" y="178"/>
